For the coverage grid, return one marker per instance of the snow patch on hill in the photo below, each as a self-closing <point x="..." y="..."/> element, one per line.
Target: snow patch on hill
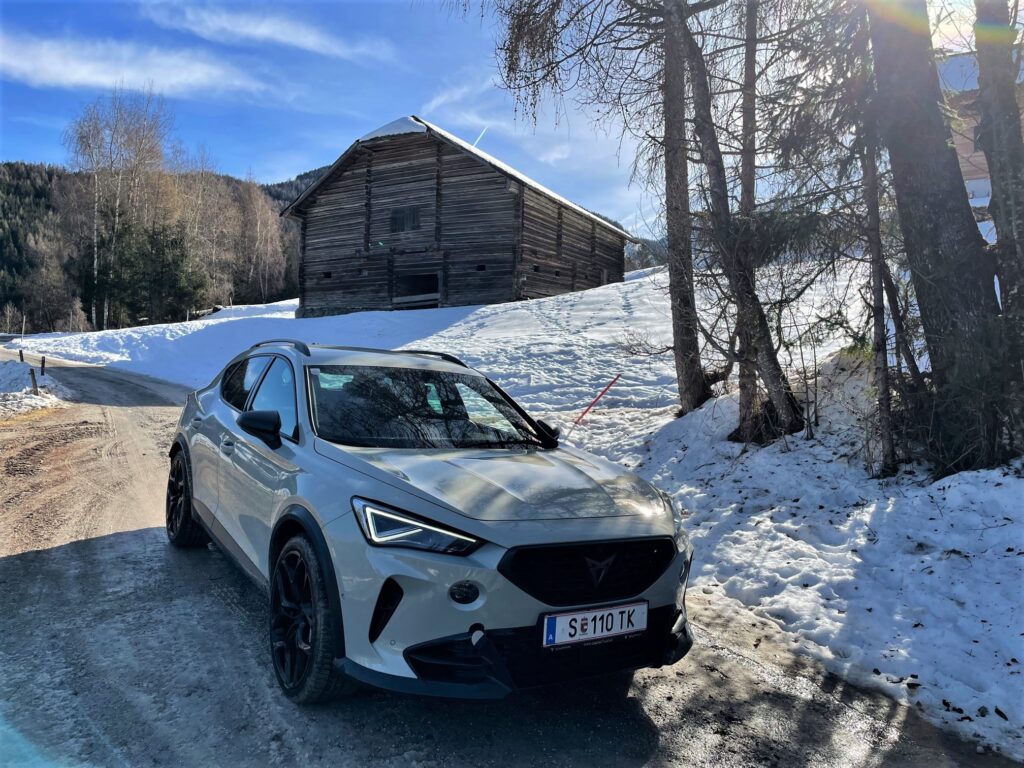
<point x="882" y="581"/>
<point x="16" y="390"/>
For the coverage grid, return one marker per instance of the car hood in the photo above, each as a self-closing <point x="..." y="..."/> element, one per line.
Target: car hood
<point x="514" y="484"/>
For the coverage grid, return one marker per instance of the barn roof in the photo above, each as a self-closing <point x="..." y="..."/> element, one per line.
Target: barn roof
<point x="413" y="124"/>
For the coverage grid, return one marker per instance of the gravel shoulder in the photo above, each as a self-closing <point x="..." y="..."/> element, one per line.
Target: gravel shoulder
<point x="117" y="650"/>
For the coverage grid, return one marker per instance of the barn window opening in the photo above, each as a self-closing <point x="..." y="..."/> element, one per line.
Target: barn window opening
<point x="417" y="290"/>
<point x="558" y="273"/>
<point x="481" y="267"/>
<point x="326" y="275"/>
<point x="363" y="272"/>
<point x="405" y="219"/>
<point x="536" y="268"/>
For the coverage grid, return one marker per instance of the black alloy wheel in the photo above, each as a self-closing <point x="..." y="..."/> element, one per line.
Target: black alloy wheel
<point x="182" y="529"/>
<point x="293" y="619"/>
<point x="304" y="631"/>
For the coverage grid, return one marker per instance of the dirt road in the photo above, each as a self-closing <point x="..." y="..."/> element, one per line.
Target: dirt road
<point x="117" y="650"/>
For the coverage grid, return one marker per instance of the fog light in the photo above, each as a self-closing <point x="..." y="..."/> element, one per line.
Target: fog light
<point x="464" y="592"/>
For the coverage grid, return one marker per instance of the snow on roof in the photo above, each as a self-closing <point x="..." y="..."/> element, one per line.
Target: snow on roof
<point x="413" y="124"/>
<point x="396" y="128"/>
<point x="958" y="72"/>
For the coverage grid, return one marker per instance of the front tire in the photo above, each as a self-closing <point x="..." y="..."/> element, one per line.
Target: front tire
<point x="302" y="627"/>
<point x="183" y="530"/>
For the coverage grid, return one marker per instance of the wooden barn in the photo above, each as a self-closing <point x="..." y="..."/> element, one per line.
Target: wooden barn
<point x="412" y="216"/>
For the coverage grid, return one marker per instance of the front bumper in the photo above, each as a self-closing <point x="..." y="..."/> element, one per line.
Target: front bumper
<point x="507" y="660"/>
<point x="426" y="645"/>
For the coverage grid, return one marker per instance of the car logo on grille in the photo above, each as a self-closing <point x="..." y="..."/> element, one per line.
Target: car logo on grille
<point x="599" y="568"/>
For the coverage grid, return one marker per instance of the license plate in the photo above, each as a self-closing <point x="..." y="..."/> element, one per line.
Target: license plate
<point x="594" y="624"/>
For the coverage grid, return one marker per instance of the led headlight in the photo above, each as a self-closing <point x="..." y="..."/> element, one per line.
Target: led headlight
<point x="385" y="527"/>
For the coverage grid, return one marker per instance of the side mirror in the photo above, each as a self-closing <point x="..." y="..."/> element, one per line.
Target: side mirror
<point x="553" y="432"/>
<point x="266" y="425"/>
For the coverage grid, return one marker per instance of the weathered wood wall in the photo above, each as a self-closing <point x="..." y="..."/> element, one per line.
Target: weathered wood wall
<point x="488" y="238"/>
<point x="563" y="250"/>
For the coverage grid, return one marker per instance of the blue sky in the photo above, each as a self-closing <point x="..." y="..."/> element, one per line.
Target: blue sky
<point x="283" y="88"/>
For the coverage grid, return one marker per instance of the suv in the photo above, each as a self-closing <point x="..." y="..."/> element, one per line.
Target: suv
<point x="416" y="530"/>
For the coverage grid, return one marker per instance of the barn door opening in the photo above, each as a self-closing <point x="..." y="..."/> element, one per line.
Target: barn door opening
<point x="416" y="290"/>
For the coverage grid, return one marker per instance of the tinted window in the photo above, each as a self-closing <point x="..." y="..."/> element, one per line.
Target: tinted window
<point x="277" y="393"/>
<point x="240" y="381"/>
<point x="411" y="408"/>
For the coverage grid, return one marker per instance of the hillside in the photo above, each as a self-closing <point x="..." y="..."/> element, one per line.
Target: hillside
<point x="46" y="252"/>
<point x="283" y="192"/>
<point x="907" y="586"/>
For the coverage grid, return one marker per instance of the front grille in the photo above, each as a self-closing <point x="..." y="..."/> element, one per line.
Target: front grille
<point x="592" y="572"/>
<point x="516" y="658"/>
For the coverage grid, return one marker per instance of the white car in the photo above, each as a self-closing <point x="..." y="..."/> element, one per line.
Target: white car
<point x="415" y="529"/>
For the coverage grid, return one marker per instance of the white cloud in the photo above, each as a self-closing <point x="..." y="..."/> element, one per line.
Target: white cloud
<point x="569" y="153"/>
<point x="225" y="25"/>
<point x="456" y="93"/>
<point x="555" y="153"/>
<point x="79" y="63"/>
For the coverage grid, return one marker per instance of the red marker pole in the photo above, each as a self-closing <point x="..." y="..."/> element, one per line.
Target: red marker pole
<point x="594" y="402"/>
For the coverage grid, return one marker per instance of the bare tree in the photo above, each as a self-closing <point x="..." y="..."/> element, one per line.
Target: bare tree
<point x="118" y="141"/>
<point x="750" y="313"/>
<point x="260" y="262"/>
<point x="692" y="382"/>
<point x="618" y="58"/>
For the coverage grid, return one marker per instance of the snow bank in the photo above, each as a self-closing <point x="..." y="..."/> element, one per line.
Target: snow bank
<point x="901" y="577"/>
<point x="910" y="587"/>
<point x="16" y="390"/>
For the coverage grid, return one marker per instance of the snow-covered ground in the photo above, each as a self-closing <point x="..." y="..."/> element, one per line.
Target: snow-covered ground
<point x="16" y="390"/>
<point x="909" y="586"/>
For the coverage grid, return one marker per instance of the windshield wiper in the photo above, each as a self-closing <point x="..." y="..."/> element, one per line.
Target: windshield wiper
<point x="499" y="443"/>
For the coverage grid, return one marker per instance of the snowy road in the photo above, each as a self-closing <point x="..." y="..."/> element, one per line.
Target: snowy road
<point x="117" y="650"/>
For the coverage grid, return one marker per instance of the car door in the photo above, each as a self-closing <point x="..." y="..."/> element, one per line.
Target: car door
<point x="258" y="476"/>
<point x="213" y="436"/>
<point x="207" y="429"/>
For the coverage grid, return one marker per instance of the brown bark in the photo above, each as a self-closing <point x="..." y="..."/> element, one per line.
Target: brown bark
<point x="1002" y="144"/>
<point x="902" y="343"/>
<point x="945" y="251"/>
<point x="747" y="428"/>
<point x="694" y="389"/>
<point x="869" y="167"/>
<point x="750" y="313"/>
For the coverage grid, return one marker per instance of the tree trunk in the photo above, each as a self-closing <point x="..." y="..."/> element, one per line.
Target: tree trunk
<point x="694" y="389"/>
<point x="1002" y="144"/>
<point x="749" y="312"/>
<point x="747" y="429"/>
<point x="95" y="246"/>
<point x="869" y="167"/>
<point x="902" y="343"/>
<point x="945" y="251"/>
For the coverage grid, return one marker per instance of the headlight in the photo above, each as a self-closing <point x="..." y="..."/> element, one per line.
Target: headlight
<point x="679" y="533"/>
<point x="384" y="527"/>
<point x="670" y="508"/>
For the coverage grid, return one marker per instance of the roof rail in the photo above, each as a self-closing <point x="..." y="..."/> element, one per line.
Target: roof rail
<point x="442" y="355"/>
<point x="299" y="345"/>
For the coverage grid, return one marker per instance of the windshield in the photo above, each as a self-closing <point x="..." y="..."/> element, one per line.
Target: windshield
<point x="384" y="407"/>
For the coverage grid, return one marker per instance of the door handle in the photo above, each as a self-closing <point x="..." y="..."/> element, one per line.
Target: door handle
<point x="197" y="421"/>
<point x="227" y="446"/>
